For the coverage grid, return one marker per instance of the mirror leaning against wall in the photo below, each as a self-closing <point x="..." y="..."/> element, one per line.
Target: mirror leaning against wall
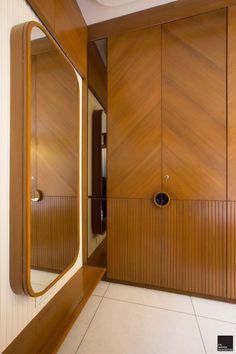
<point x="49" y="191"/>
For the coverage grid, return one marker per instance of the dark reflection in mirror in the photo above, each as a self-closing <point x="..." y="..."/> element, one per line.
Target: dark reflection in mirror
<point x="54" y="162"/>
<point x="97" y="156"/>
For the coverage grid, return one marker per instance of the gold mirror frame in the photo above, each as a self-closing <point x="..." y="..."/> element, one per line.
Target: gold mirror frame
<point x="20" y="159"/>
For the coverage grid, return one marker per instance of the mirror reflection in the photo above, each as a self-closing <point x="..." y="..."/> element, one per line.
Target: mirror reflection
<point x="54" y="156"/>
<point x="97" y="152"/>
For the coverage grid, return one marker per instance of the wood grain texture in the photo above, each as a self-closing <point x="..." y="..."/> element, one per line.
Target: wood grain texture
<point x="57" y="125"/>
<point x="65" y="22"/>
<point x="54" y="229"/>
<point x="155" y="16"/>
<point x="20" y="159"/>
<point x="53" y="323"/>
<point x="194" y="107"/>
<point x="182" y="246"/>
<point x="231" y="250"/>
<point x="134" y="111"/>
<point x="231" y="104"/>
<point x="97" y="75"/>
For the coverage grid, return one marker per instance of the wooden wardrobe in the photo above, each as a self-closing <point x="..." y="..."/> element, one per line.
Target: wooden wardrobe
<point x="172" y="129"/>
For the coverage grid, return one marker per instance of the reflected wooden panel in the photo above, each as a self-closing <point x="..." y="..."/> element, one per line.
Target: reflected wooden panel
<point x="53" y="233"/>
<point x="181" y="246"/>
<point x="45" y="157"/>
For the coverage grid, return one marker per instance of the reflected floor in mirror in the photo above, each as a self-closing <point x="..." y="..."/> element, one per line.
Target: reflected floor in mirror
<point x="40" y="279"/>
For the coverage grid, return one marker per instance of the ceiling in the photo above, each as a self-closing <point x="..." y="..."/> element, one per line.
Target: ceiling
<point x="95" y="11"/>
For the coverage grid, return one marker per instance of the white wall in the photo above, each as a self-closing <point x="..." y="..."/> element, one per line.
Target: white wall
<point x="16" y="311"/>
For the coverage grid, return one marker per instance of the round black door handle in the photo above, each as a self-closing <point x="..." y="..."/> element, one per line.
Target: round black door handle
<point x="161" y="199"/>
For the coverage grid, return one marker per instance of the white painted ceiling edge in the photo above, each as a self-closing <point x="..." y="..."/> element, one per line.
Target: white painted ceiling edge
<point x="95" y="11"/>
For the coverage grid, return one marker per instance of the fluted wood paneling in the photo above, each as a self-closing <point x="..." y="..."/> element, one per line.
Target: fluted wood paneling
<point x="134" y="110"/>
<point x="54" y="227"/>
<point x="182" y="246"/>
<point x="231" y="250"/>
<point x="194" y="107"/>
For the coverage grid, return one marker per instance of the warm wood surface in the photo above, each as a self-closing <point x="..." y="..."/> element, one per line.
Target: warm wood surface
<point x="231" y="227"/>
<point x="134" y="111"/>
<point x="97" y="75"/>
<point x="65" y="22"/>
<point x="45" y="333"/>
<point x="182" y="246"/>
<point x="99" y="257"/>
<point x="57" y="121"/>
<point x="155" y="16"/>
<point x="17" y="185"/>
<point x="194" y="107"/>
<point x="54" y="230"/>
<point x="232" y="104"/>
<point x="54" y="160"/>
<point x="21" y="156"/>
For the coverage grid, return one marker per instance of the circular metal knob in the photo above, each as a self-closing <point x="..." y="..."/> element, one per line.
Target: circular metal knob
<point x="166" y="177"/>
<point x="36" y="195"/>
<point x="161" y="199"/>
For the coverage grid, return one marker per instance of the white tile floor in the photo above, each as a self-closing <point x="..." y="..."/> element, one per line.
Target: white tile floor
<point x="120" y="319"/>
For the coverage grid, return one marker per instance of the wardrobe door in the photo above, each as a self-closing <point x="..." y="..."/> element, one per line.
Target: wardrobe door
<point x="231" y="236"/>
<point x="134" y="155"/>
<point x="194" y="151"/>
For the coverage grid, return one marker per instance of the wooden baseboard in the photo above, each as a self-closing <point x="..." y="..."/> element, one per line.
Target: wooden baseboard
<point x="46" y="332"/>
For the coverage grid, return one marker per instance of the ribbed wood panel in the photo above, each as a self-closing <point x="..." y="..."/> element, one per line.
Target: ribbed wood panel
<point x="54" y="225"/>
<point x="231" y="250"/>
<point x="182" y="246"/>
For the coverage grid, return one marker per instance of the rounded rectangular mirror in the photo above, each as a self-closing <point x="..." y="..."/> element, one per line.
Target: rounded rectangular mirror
<point x="51" y="158"/>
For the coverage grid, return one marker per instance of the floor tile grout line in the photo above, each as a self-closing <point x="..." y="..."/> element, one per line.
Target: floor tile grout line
<point x="199" y="328"/>
<point x="216" y="319"/>
<point x="88" y="326"/>
<point x="166" y="309"/>
<point x="90" y="322"/>
<point x="150" y="306"/>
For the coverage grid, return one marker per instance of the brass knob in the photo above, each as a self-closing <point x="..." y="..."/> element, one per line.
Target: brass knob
<point x="36" y="195"/>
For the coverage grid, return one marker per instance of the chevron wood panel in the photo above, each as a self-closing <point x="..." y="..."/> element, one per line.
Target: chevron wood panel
<point x="194" y="107"/>
<point x="182" y="246"/>
<point x="231" y="103"/>
<point x="55" y="140"/>
<point x="54" y="228"/>
<point x="134" y="110"/>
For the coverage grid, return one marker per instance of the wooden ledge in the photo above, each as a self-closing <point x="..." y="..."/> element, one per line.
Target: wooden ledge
<point x="46" y="332"/>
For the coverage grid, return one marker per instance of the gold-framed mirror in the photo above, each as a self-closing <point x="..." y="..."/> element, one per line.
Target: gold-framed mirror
<point x="44" y="161"/>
